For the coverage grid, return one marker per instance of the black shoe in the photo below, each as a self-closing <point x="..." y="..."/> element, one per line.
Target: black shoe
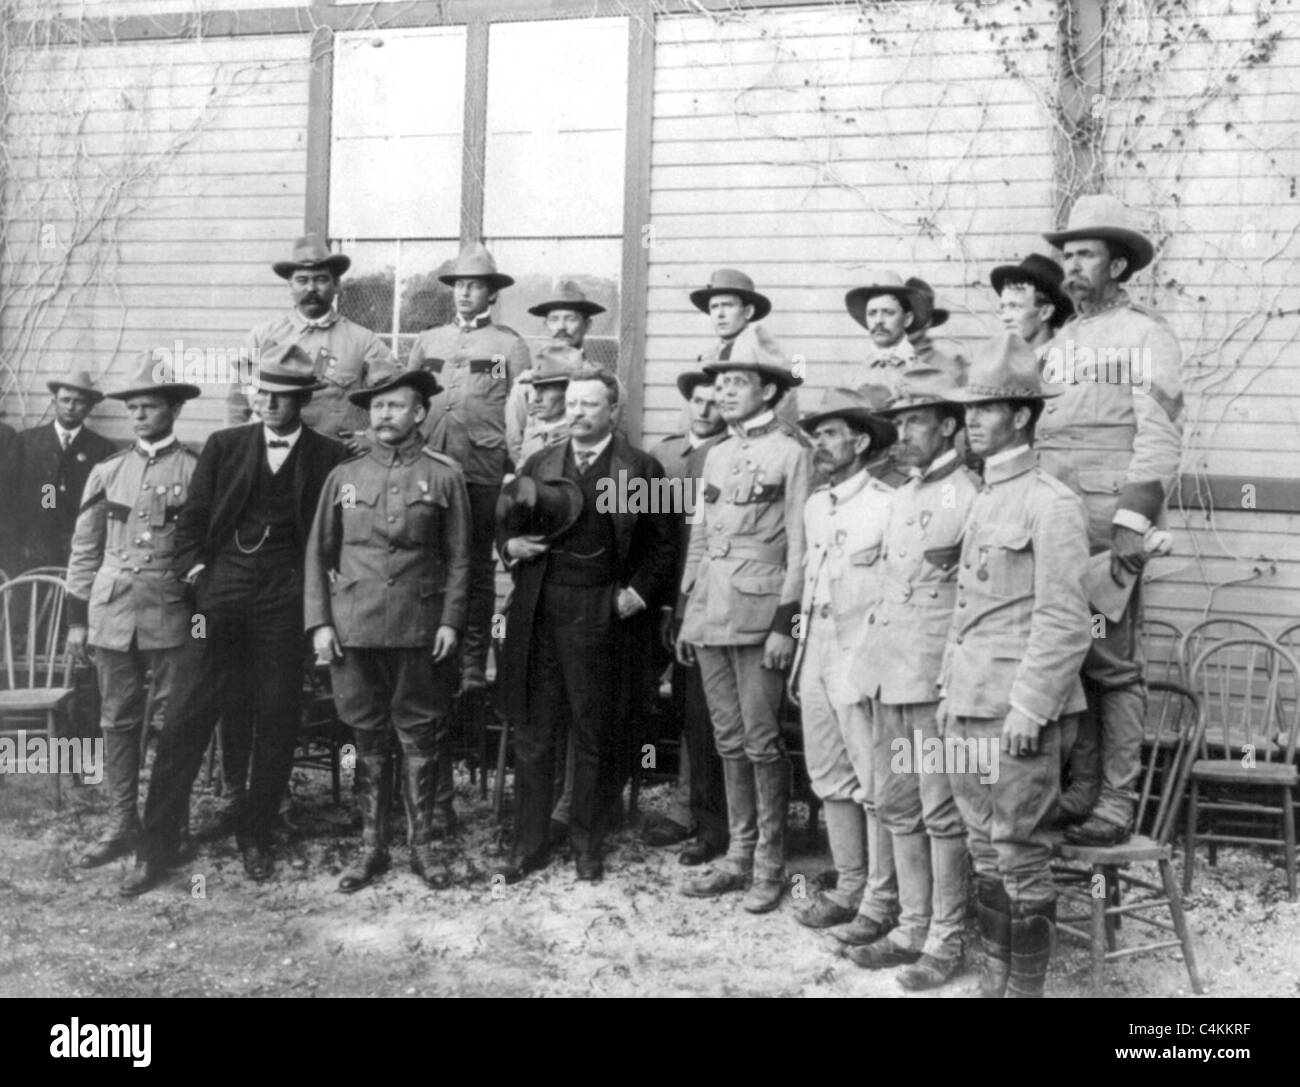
<point x="368" y="867"/>
<point x="700" y="851"/>
<point x="590" y="868"/>
<point x="103" y="852"/>
<point x="443" y="822"/>
<point x="513" y="869"/>
<point x="1098" y="832"/>
<point x="881" y="955"/>
<point x="257" y="863"/>
<point x="559" y="834"/>
<point x="143" y="877"/>
<point x="862" y="930"/>
<point x="1066" y="817"/>
<point x="430" y="867"/>
<point x="660" y="831"/>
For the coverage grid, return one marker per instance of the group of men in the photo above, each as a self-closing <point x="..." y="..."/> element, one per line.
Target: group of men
<point x="848" y="560"/>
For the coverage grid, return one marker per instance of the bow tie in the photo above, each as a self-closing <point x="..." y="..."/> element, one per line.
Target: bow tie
<point x="273" y="444"/>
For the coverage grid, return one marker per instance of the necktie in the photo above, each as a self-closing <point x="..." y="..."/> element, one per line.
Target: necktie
<point x="584" y="461"/>
<point x="273" y="444"/>
<point x="63" y="440"/>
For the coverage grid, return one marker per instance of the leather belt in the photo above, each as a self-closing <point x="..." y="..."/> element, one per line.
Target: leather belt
<point x="747" y="549"/>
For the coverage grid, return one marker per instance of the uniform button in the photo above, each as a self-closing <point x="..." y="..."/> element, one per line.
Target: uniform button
<point x="392" y="490"/>
<point x="392" y="547"/>
<point x="884" y="622"/>
<point x="910" y="520"/>
<point x="902" y="553"/>
<point x="391" y="581"/>
<point x="735" y="469"/>
<point x="961" y="603"/>
<point x="934" y="593"/>
<point x="959" y="641"/>
<point x="144" y="513"/>
<point x="391" y="519"/>
<point x="148" y="558"/>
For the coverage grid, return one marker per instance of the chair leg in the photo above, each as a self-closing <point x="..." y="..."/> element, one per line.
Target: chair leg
<point x="1189" y="849"/>
<point x="1100" y="936"/>
<point x="1180" y="924"/>
<point x="1112" y="900"/>
<point x="1288" y="834"/>
<point x="499" y="786"/>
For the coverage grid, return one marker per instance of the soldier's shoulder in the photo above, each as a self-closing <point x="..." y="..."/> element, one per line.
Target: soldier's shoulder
<point x="1054" y="487"/>
<point x="116" y="455"/>
<point x="443" y="459"/>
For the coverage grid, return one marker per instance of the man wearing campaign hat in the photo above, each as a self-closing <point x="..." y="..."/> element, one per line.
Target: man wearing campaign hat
<point x="543" y="388"/>
<point x="123" y="598"/>
<point x="50" y="465"/>
<point x="887" y="308"/>
<point x="567" y="314"/>
<point x="579" y="633"/>
<point x="844" y="521"/>
<point x="344" y="355"/>
<point x="386" y="580"/>
<point x="1031" y="302"/>
<point x="240" y="540"/>
<point x="1010" y="671"/>
<point x="699" y="803"/>
<point x="476" y="362"/>
<point x="741" y="589"/>
<point x="1114" y="437"/>
<point x="895" y="665"/>
<point x="735" y="309"/>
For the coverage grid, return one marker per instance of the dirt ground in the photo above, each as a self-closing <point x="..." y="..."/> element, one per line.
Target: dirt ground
<point x="65" y="932"/>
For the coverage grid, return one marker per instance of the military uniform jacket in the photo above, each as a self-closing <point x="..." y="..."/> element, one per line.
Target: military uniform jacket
<point x="476" y="366"/>
<point x="744" y="568"/>
<point x="45" y="519"/>
<point x="1114" y="436"/>
<point x="844" y="527"/>
<point x="124" y="547"/>
<point x="388" y="557"/>
<point x="899" y="648"/>
<point x="887" y="365"/>
<point x="346" y="356"/>
<point x="1020" y="629"/>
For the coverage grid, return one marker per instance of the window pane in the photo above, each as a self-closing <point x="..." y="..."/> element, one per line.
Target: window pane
<point x="396" y="133"/>
<point x="539" y="264"/>
<point x="556" y="114"/>
<point x="367" y="294"/>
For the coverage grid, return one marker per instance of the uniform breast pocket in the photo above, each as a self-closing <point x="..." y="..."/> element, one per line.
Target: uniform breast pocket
<point x="754" y="603"/>
<point x="1006" y="561"/>
<point x="341" y="373"/>
<point x="424" y="512"/>
<point x="359" y="505"/>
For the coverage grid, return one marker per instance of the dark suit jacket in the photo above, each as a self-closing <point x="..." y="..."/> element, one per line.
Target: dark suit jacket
<point x="646" y="559"/>
<point x="45" y="531"/>
<point x="223" y="481"/>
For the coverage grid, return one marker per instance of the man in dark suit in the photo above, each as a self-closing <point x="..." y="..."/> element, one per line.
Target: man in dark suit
<point x="240" y="541"/>
<point x="51" y="464"/>
<point x="581" y="621"/>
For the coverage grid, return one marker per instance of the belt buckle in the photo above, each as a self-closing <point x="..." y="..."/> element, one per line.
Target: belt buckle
<point x="719" y="550"/>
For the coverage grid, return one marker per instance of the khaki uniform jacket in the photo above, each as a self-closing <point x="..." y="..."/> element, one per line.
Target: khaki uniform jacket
<point x="900" y="647"/>
<point x="1114" y="436"/>
<point x="346" y="356"/>
<point x="1020" y="629"/>
<point x="744" y="568"/>
<point x="476" y="367"/>
<point x="844" y="528"/>
<point x="124" y="547"/>
<point x="388" y="556"/>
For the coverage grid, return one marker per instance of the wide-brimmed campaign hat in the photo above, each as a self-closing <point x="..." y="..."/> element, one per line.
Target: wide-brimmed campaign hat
<point x="883" y="283"/>
<point x="475" y="262"/>
<point x="1041" y="272"/>
<point x="920" y="387"/>
<point x="422" y="381"/>
<point x="554" y="364"/>
<point x="688" y="380"/>
<point x="1101" y="215"/>
<point x="310" y="253"/>
<point x="539" y="507"/>
<point x="1004" y="368"/>
<point x="858" y="406"/>
<point x="767" y="364"/>
<point x="152" y="376"/>
<point x="79" y="381"/>
<point x="286" y="368"/>
<point x="567" y="295"/>
<point x="928" y="314"/>
<point x="732" y="281"/>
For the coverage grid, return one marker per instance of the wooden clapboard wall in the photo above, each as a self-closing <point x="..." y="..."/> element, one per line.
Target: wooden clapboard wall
<point x="206" y="140"/>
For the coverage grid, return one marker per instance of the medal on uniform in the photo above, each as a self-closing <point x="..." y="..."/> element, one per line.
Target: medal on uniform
<point x="926" y="517"/>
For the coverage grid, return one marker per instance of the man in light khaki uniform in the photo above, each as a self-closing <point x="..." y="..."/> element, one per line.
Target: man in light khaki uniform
<point x="897" y="664"/>
<point x="741" y="590"/>
<point x="1010" y="670"/>
<point x="844" y="524"/>
<point x="1114" y="437"/>
<point x="123" y="597"/>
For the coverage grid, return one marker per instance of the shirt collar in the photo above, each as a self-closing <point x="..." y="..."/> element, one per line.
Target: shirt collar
<point x="762" y="419"/>
<point x="899" y="354"/>
<point x="1117" y="301"/>
<point x="847" y="488"/>
<point x="937" y="465"/>
<point x="389" y="455"/>
<point x="152" y="449"/>
<point x="71" y="434"/>
<point x="269" y="435"/>
<point x="302" y="322"/>
<point x="598" y="448"/>
<point x="1008" y="464"/>
<point x="474" y="322"/>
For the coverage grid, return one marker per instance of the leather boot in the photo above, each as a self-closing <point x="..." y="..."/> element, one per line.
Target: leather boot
<point x="420" y="773"/>
<point x="733" y="871"/>
<point x="375" y="794"/>
<point x="122" y="773"/>
<point x="993" y="908"/>
<point x="1032" y="926"/>
<point x="773" y="781"/>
